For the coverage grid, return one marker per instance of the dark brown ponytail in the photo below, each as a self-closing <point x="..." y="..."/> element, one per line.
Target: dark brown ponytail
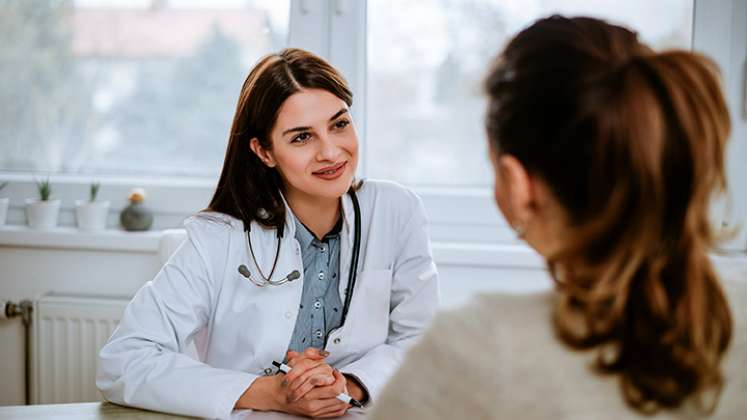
<point x="631" y="143"/>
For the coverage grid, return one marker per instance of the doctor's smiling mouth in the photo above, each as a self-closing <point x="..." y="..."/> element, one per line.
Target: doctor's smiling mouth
<point x="331" y="173"/>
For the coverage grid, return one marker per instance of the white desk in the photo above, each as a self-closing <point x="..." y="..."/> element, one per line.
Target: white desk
<point x="108" y="411"/>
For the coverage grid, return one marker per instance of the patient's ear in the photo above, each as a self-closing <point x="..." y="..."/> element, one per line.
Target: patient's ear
<point x="264" y="155"/>
<point x="517" y="192"/>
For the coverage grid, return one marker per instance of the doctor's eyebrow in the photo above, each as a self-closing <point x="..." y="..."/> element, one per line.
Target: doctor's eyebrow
<point x="332" y="118"/>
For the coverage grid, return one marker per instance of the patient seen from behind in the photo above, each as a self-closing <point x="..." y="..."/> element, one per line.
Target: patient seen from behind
<point x="606" y="156"/>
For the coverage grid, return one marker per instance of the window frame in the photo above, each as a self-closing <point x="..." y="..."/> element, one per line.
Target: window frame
<point x="336" y="30"/>
<point x="720" y="31"/>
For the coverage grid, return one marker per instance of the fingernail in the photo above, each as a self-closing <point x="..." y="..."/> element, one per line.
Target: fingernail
<point x="324" y="353"/>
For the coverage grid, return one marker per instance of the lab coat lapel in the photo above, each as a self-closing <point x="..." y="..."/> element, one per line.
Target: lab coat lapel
<point x="286" y="297"/>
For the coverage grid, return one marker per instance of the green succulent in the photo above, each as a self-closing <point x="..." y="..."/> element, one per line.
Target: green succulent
<point x="44" y="188"/>
<point x="94" y="191"/>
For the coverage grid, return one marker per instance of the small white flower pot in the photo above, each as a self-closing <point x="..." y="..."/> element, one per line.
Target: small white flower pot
<point x="4" y="203"/>
<point x="91" y="215"/>
<point x="42" y="214"/>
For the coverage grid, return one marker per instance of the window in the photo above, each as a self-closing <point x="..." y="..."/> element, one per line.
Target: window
<point x="82" y="93"/>
<point x="425" y="104"/>
<point x="119" y="87"/>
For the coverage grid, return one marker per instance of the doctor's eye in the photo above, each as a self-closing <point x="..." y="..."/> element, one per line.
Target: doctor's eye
<point x="301" y="137"/>
<point x="341" y="124"/>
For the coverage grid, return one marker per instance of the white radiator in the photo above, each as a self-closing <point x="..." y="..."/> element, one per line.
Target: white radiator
<point x="67" y="333"/>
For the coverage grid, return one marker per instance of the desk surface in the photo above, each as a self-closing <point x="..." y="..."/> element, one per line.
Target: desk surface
<point x="106" y="411"/>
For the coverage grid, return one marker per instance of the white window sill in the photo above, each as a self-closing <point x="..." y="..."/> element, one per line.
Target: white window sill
<point x="487" y="255"/>
<point x="445" y="253"/>
<point x="458" y="254"/>
<point x="72" y="238"/>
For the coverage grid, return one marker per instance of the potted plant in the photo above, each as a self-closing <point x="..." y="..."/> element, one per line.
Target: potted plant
<point x="42" y="213"/>
<point x="92" y="214"/>
<point x="4" y="203"/>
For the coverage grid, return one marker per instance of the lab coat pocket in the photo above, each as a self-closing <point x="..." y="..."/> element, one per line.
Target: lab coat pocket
<point x="369" y="309"/>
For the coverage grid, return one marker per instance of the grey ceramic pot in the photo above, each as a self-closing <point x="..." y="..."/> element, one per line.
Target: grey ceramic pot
<point x="136" y="217"/>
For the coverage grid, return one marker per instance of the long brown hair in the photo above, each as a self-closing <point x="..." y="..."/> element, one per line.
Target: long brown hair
<point x="631" y="143"/>
<point x="248" y="189"/>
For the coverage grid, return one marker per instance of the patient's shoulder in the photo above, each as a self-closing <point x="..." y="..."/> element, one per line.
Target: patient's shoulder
<point x="465" y="349"/>
<point x="507" y="303"/>
<point x="495" y="323"/>
<point x="497" y="311"/>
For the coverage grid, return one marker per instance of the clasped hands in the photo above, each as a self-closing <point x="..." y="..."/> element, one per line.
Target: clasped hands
<point x="309" y="389"/>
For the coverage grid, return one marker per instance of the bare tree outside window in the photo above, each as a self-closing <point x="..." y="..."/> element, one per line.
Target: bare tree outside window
<point x="127" y="88"/>
<point x="425" y="108"/>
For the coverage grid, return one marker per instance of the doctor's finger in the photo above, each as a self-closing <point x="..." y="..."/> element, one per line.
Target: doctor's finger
<point x="311" y="383"/>
<point x="323" y="392"/>
<point x="322" y="369"/>
<point x="290" y="354"/>
<point x="329" y="391"/>
<point x="315" y="353"/>
<point x="309" y="407"/>
<point x="310" y="353"/>
<point x="293" y="361"/>
<point x="316" y="407"/>
<point x="300" y="367"/>
<point x="337" y="409"/>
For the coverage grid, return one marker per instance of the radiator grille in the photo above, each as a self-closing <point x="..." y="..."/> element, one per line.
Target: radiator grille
<point x="68" y="332"/>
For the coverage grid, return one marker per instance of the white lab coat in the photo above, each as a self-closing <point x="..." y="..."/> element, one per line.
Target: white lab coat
<point x="239" y="329"/>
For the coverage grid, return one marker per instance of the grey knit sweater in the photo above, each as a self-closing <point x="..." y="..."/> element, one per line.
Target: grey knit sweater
<point x="498" y="358"/>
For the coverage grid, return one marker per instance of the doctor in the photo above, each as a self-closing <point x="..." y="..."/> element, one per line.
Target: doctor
<point x="293" y="260"/>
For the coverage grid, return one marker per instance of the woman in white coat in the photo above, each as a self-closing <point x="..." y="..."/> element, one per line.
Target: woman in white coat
<point x="275" y="248"/>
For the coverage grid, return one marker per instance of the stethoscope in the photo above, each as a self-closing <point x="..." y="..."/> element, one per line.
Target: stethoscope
<point x="294" y="275"/>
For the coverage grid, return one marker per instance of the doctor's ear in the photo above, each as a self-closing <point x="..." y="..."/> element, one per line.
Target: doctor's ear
<point x="264" y="155"/>
<point x="517" y="195"/>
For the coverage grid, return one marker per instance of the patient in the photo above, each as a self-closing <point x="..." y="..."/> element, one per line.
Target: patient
<point x="606" y="155"/>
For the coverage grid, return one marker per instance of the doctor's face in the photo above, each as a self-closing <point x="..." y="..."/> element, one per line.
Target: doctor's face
<point x="314" y="145"/>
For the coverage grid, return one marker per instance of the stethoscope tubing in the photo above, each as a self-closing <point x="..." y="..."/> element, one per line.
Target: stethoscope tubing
<point x="352" y="276"/>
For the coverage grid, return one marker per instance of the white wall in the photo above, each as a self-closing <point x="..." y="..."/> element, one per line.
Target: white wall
<point x="28" y="272"/>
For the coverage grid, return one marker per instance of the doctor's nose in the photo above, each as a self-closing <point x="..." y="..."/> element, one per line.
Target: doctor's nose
<point x="328" y="150"/>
